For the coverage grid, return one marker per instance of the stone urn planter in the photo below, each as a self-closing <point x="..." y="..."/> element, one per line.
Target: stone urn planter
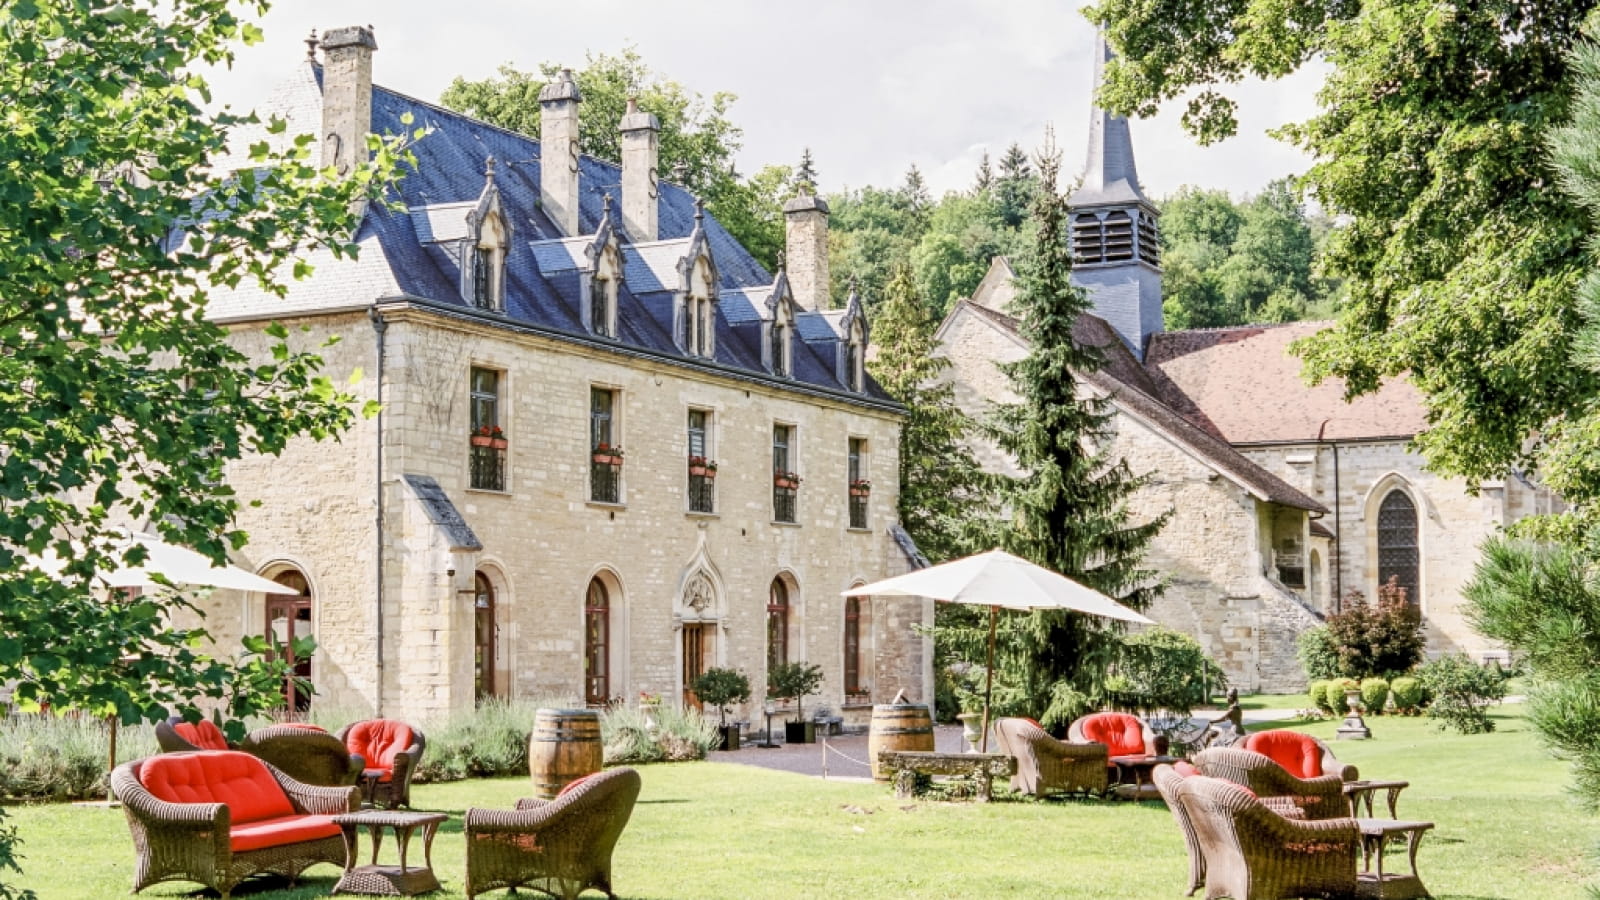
<point x="971" y="729"/>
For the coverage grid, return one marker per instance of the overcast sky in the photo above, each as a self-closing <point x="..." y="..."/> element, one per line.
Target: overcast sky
<point x="871" y="86"/>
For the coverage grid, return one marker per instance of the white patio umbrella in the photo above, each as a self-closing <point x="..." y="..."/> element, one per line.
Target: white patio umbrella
<point x="179" y="565"/>
<point x="998" y="579"/>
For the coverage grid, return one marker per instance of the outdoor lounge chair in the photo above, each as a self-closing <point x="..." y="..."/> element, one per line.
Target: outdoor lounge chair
<point x="1321" y="797"/>
<point x="218" y="817"/>
<point x="1301" y="754"/>
<point x="1122" y="733"/>
<point x="1046" y="765"/>
<point x="305" y="753"/>
<point x="177" y="736"/>
<point x="392" y="750"/>
<point x="1249" y="852"/>
<point x="561" y="846"/>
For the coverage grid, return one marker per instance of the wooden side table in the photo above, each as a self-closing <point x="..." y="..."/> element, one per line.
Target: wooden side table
<point x="390" y="881"/>
<point x="1360" y="793"/>
<point x="1372" y="881"/>
<point x="1140" y="767"/>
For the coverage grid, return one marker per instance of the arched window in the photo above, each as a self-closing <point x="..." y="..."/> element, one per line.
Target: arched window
<point x="597" y="644"/>
<point x="852" y="645"/>
<point x="482" y="638"/>
<point x="288" y="619"/>
<point x="1398" y="552"/>
<point x="777" y="624"/>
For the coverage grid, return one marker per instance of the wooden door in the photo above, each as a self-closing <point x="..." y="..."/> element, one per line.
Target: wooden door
<point x="696" y="648"/>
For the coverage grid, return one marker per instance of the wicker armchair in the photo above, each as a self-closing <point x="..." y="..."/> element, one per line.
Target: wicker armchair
<point x="561" y="846"/>
<point x="177" y="736"/>
<point x="177" y="841"/>
<point x="392" y="750"/>
<point x="1250" y="852"/>
<point x="1320" y="798"/>
<point x="1167" y="780"/>
<point x="1046" y="765"/>
<point x="1123" y="734"/>
<point x="305" y="753"/>
<point x="1301" y="754"/>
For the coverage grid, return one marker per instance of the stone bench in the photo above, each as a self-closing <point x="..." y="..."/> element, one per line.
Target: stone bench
<point x="981" y="767"/>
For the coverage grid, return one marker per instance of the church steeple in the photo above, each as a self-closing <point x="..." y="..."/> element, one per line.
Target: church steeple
<point x="1116" y="242"/>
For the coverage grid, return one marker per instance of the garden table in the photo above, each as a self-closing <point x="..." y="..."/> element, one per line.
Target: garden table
<point x="393" y="881"/>
<point x="1372" y="881"/>
<point x="1360" y="793"/>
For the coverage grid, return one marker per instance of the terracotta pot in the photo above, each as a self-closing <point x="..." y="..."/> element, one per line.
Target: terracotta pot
<point x="860" y="492"/>
<point x="697" y="470"/>
<point x="499" y="443"/>
<point x="481" y="440"/>
<point x="606" y="459"/>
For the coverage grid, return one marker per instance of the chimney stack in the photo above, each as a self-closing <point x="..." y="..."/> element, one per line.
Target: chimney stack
<point x="641" y="142"/>
<point x="558" y="151"/>
<point x="346" y="95"/>
<point x="806" y="249"/>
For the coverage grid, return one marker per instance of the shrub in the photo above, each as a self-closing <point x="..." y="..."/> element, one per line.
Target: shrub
<point x="1462" y="691"/>
<point x="1163" y="670"/>
<point x="1374" y="693"/>
<point x="58" y="758"/>
<point x="1318" y="656"/>
<point x="1407" y="693"/>
<point x="1376" y="639"/>
<point x="1318" y="692"/>
<point x="679" y="735"/>
<point x="483" y="742"/>
<point x="8" y="860"/>
<point x="1335" y="692"/>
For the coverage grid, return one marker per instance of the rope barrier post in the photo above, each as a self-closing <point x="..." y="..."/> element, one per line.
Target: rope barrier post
<point x="824" y="756"/>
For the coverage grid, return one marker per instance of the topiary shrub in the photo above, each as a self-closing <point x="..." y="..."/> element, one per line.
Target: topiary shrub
<point x="1407" y="693"/>
<point x="1317" y="654"/>
<point x="1374" y="694"/>
<point x="1318" y="692"/>
<point x="1462" y="691"/>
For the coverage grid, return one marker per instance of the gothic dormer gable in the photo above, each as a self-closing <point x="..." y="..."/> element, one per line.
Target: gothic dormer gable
<point x="600" y="280"/>
<point x="483" y="248"/>
<point x="697" y="293"/>
<point x="853" y="335"/>
<point x="777" y="326"/>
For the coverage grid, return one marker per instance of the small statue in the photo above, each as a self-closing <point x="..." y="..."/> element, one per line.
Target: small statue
<point x="1228" y="728"/>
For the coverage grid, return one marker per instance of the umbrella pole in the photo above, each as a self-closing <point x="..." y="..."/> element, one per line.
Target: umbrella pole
<point x="112" y="764"/>
<point x="988" y="686"/>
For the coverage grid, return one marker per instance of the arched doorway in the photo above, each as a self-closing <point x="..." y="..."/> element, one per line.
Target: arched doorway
<point x="597" y="644"/>
<point x="288" y="621"/>
<point x="483" y="638"/>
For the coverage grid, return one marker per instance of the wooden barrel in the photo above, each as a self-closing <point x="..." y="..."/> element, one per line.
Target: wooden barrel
<point x="898" y="726"/>
<point x="565" y="746"/>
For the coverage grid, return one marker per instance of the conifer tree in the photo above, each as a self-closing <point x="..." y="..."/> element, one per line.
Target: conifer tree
<point x="941" y="488"/>
<point x="1016" y="186"/>
<point x="1069" y="511"/>
<point x="805" y="175"/>
<point x="985" y="178"/>
<point x="919" y="202"/>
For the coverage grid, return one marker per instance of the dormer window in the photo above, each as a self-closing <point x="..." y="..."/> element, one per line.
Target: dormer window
<point x="853" y="344"/>
<point x="483" y="266"/>
<point x="699" y="313"/>
<point x="600" y="280"/>
<point x="483" y="252"/>
<point x="779" y="351"/>
<point x="852" y="360"/>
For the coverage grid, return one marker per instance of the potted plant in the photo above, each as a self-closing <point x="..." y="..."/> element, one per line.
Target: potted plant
<point x="489" y="436"/>
<point x="861" y="487"/>
<point x="720" y="688"/>
<point x="608" y="454"/>
<point x="705" y="468"/>
<point x="794" y="681"/>
<point x="785" y="480"/>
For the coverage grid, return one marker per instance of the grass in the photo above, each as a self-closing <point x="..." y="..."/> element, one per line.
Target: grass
<point x="1506" y="829"/>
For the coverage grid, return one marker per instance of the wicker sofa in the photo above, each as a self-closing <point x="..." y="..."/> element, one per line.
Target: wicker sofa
<point x="1249" y="852"/>
<point x="561" y="846"/>
<point x="1320" y="797"/>
<point x="305" y="753"/>
<point x="177" y="736"/>
<point x="218" y="817"/>
<point x="1302" y="755"/>
<point x="1046" y="765"/>
<point x="392" y="750"/>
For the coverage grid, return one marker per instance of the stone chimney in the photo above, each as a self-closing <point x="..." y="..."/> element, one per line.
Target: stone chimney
<point x="346" y="95"/>
<point x="641" y="144"/>
<point x="806" y="248"/>
<point x="558" y="151"/>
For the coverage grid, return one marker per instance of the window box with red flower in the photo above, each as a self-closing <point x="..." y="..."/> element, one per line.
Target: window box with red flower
<point x="607" y="454"/>
<point x="705" y="468"/>
<point x="787" y="481"/>
<point x="861" y="487"/>
<point x="489" y="436"/>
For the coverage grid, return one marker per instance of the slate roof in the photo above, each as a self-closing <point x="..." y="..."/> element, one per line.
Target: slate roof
<point x="1244" y="385"/>
<point x="1132" y="387"/>
<point x="408" y="252"/>
<point x="1109" y="175"/>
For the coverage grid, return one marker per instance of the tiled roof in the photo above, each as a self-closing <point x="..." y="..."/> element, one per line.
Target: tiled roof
<point x="1246" y="385"/>
<point x="1130" y="386"/>
<point x="409" y="250"/>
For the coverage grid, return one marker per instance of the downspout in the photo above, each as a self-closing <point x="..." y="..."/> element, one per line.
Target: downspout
<point x="1338" y="523"/>
<point x="379" y="327"/>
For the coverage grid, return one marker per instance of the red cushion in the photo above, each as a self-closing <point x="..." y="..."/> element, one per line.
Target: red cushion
<point x="1122" y="734"/>
<point x="1185" y="768"/>
<point x="217" y="776"/>
<point x="575" y="782"/>
<point x="378" y="740"/>
<point x="204" y="735"/>
<point x="1298" y="753"/>
<point x="280" y="831"/>
<point x="1033" y="722"/>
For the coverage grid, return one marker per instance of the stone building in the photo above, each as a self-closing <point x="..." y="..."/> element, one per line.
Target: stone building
<point x="614" y="450"/>
<point x="1284" y="498"/>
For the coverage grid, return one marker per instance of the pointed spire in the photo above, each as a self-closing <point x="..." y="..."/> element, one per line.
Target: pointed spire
<point x="699" y="212"/>
<point x="1109" y="174"/>
<point x="605" y="211"/>
<point x="488" y="170"/>
<point x="311" y="46"/>
<point x="782" y="258"/>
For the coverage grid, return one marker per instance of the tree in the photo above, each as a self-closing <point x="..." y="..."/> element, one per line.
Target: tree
<point x="871" y="231"/>
<point x="985" y="177"/>
<point x="1458" y="260"/>
<point x="1014" y="189"/>
<point x="964" y="233"/>
<point x="805" y="175"/>
<point x="919" y="203"/>
<point x="941" y="489"/>
<point x="1069" y="512"/>
<point x="119" y="400"/>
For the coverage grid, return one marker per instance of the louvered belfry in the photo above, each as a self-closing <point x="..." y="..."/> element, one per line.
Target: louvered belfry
<point x="1116" y="241"/>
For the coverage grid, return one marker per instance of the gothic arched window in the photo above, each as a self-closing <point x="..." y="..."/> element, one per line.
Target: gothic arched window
<point x="1398" y="550"/>
<point x="597" y="644"/>
<point x="852" y="645"/>
<point x="483" y="637"/>
<point x="777" y="624"/>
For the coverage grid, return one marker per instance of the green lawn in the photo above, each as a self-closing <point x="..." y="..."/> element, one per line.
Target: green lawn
<point x="1506" y="829"/>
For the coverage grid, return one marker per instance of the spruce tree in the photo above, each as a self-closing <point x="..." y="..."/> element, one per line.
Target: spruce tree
<point x="941" y="488"/>
<point x="985" y="178"/>
<point x="1016" y="187"/>
<point x="1069" y="513"/>
<point x="805" y="175"/>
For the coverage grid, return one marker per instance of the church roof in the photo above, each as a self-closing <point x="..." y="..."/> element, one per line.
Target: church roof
<point x="1245" y="385"/>
<point x="408" y="252"/>
<point x="1109" y="175"/>
<point x="1133" y="388"/>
